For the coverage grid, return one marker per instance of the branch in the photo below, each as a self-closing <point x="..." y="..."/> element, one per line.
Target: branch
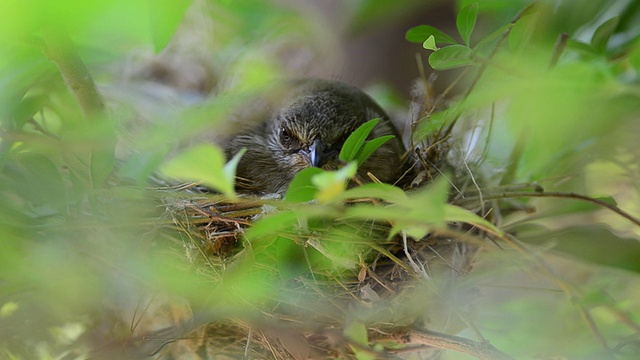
<point x="480" y="350"/>
<point x="60" y="49"/>
<point x="570" y="195"/>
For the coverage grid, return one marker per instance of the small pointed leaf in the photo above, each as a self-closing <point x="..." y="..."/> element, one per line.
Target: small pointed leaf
<point x="430" y="43"/>
<point x="354" y="142"/>
<point x="466" y="21"/>
<point x="603" y="33"/>
<point x="370" y="147"/>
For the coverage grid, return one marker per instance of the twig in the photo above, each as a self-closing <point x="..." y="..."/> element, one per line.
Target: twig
<point x="558" y="49"/>
<point x="60" y="49"/>
<point x="480" y="350"/>
<point x="563" y="195"/>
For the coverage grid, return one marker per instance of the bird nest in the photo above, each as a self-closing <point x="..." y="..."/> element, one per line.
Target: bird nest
<point x="401" y="293"/>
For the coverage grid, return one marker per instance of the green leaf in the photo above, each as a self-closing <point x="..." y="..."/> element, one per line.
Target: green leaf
<point x="430" y="43"/>
<point x="333" y="183"/>
<point x="370" y="147"/>
<point x="203" y="163"/>
<point x="603" y="33"/>
<point x="165" y="16"/>
<point x="466" y="21"/>
<point x="141" y="166"/>
<point x="356" y="332"/>
<point x="457" y="214"/>
<point x="582" y="48"/>
<point x="40" y="180"/>
<point x="301" y="189"/>
<point x="290" y="258"/>
<point x="451" y="57"/>
<point x="386" y="192"/>
<point x="354" y="142"/>
<point x="89" y="152"/>
<point x="421" y="33"/>
<point x="230" y="167"/>
<point x="492" y="38"/>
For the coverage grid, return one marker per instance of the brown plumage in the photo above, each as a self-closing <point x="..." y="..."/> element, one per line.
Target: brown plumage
<point x="307" y="127"/>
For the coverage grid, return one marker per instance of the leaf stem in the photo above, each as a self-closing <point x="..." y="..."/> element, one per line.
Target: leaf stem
<point x="60" y="49"/>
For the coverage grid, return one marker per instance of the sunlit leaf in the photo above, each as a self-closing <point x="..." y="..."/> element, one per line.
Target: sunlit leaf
<point x="603" y="33"/>
<point x="331" y="184"/>
<point x="430" y="43"/>
<point x="165" y="17"/>
<point x="203" y="163"/>
<point x="301" y="188"/>
<point x="451" y="57"/>
<point x="466" y="21"/>
<point x="421" y="33"/>
<point x="354" y="142"/>
<point x="7" y="309"/>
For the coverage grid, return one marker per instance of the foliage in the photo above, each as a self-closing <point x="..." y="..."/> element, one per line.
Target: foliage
<point x="551" y="91"/>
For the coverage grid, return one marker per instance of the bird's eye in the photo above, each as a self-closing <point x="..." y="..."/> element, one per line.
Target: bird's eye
<point x="285" y="136"/>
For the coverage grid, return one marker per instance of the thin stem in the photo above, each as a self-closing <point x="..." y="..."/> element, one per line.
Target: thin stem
<point x="480" y="350"/>
<point x="563" y="195"/>
<point x="61" y="50"/>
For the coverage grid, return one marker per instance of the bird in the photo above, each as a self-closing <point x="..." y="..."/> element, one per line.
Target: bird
<point x="307" y="126"/>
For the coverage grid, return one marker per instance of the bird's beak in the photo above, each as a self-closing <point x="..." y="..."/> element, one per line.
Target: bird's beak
<point x="316" y="152"/>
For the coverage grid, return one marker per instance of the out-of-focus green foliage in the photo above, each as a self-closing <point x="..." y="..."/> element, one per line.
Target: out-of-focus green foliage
<point x="81" y="236"/>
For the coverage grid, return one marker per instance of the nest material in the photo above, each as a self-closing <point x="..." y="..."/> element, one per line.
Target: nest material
<point x="385" y="290"/>
<point x="398" y="285"/>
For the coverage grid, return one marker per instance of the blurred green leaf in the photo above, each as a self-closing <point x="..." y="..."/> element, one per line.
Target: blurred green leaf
<point x="354" y="142"/>
<point x="290" y="259"/>
<point x="165" y="17"/>
<point x="582" y="48"/>
<point x="603" y="33"/>
<point x="492" y="39"/>
<point x="421" y="33"/>
<point x="141" y="166"/>
<point x="430" y="43"/>
<point x="302" y="189"/>
<point x="457" y="214"/>
<point x="38" y="180"/>
<point x="384" y="192"/>
<point x="28" y="107"/>
<point x="591" y="243"/>
<point x="522" y="32"/>
<point x="89" y="152"/>
<point x="356" y="331"/>
<point x="203" y="163"/>
<point x="273" y="224"/>
<point x="331" y="184"/>
<point x="466" y="21"/>
<point x="451" y="57"/>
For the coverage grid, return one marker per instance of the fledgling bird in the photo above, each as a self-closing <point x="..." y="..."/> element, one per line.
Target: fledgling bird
<point x="307" y="127"/>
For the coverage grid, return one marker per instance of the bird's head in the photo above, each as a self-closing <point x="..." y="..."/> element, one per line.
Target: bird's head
<point x="311" y="129"/>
